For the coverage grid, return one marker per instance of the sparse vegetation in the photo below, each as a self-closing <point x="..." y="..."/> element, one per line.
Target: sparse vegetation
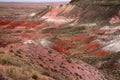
<point x="51" y="44"/>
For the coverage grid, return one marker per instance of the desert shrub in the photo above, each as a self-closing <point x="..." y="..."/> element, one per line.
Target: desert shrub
<point x="8" y="61"/>
<point x="70" y="30"/>
<point x="16" y="74"/>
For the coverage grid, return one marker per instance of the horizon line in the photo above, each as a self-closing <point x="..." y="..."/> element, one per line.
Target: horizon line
<point x="34" y="1"/>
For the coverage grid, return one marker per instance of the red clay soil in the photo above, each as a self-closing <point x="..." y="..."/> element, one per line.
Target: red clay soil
<point x="85" y="42"/>
<point x="42" y="25"/>
<point x="28" y="24"/>
<point x="90" y="39"/>
<point x="61" y="46"/>
<point x="101" y="53"/>
<point x="34" y="36"/>
<point x="4" y="21"/>
<point x="2" y="44"/>
<point x="14" y="24"/>
<point x="59" y="65"/>
<point x="11" y="24"/>
<point x="92" y="46"/>
<point x="98" y="31"/>
<point x="80" y="37"/>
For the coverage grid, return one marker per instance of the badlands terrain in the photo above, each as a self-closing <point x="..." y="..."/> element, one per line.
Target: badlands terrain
<point x="76" y="40"/>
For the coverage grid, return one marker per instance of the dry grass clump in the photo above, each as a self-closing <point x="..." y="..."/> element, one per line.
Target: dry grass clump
<point x="15" y="67"/>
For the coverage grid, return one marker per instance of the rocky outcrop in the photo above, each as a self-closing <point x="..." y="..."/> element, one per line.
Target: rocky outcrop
<point x="97" y="10"/>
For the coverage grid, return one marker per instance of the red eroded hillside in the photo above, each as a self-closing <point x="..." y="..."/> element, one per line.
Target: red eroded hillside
<point x="66" y="42"/>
